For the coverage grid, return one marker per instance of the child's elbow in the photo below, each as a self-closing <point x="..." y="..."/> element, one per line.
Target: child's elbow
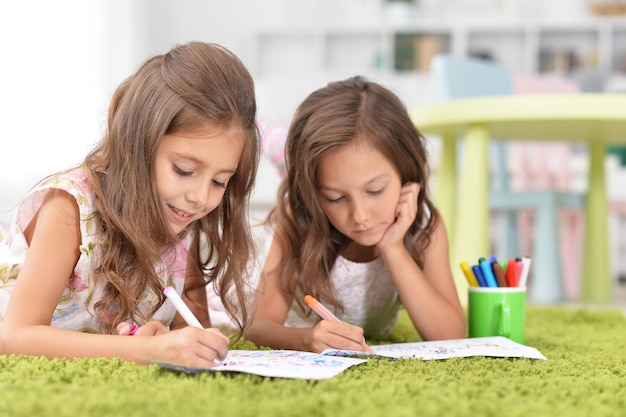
<point x="459" y="329"/>
<point x="5" y="341"/>
<point x="13" y="339"/>
<point x="250" y="332"/>
<point x="455" y="330"/>
<point x="462" y="331"/>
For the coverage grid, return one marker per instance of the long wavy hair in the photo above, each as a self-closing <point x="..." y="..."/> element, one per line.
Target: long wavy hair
<point x="328" y="119"/>
<point x="191" y="85"/>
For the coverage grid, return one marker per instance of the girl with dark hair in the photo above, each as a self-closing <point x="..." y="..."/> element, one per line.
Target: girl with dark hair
<point x="355" y="228"/>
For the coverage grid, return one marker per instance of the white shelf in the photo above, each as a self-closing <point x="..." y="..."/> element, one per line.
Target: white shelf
<point x="314" y="48"/>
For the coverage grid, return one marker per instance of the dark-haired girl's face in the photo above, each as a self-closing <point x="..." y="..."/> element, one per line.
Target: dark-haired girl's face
<point x="359" y="189"/>
<point x="192" y="171"/>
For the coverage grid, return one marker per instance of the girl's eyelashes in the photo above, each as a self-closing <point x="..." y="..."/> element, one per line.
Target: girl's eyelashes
<point x="182" y="172"/>
<point x="339" y="199"/>
<point x="334" y="200"/>
<point x="220" y="184"/>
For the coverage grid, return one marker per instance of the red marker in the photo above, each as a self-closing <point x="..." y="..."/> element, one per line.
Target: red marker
<point x="510" y="274"/>
<point x="519" y="267"/>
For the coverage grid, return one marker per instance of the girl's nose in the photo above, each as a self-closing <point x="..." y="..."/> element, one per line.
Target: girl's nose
<point x="199" y="195"/>
<point x="360" y="213"/>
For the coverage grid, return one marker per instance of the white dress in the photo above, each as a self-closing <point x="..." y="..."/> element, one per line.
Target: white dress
<point x="368" y="295"/>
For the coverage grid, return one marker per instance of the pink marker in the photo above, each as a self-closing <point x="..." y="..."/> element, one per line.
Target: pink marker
<point x="526" y="267"/>
<point x="519" y="268"/>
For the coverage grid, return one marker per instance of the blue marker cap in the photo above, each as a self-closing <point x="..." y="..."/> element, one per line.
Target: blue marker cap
<point x="490" y="278"/>
<point x="479" y="275"/>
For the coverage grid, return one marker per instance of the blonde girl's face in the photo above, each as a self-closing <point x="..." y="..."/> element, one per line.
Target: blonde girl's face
<point x="192" y="171"/>
<point x="359" y="189"/>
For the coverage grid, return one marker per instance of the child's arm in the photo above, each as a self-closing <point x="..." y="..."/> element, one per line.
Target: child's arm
<point x="270" y="312"/>
<point x="54" y="239"/>
<point x="429" y="295"/>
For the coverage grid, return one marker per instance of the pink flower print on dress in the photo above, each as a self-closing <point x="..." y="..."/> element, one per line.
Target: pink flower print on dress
<point x="7" y="241"/>
<point x="75" y="284"/>
<point x="175" y="262"/>
<point x="79" y="181"/>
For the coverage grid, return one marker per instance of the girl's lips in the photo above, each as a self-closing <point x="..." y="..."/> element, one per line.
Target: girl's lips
<point x="180" y="215"/>
<point x="365" y="231"/>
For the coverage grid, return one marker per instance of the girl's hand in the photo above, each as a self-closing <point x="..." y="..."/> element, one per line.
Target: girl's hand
<point x="406" y="210"/>
<point x="329" y="334"/>
<point x="189" y="346"/>
<point x="151" y="328"/>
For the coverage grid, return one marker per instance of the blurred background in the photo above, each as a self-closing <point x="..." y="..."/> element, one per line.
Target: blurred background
<point x="62" y="59"/>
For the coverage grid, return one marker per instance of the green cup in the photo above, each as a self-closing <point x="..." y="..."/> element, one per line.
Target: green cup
<point x="497" y="312"/>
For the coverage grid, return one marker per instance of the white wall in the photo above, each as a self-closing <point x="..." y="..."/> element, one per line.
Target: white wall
<point x="51" y="101"/>
<point x="62" y="59"/>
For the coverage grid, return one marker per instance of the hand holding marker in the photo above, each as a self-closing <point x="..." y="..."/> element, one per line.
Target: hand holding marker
<point x="187" y="314"/>
<point x="327" y="315"/>
<point x="490" y="273"/>
<point x="182" y="308"/>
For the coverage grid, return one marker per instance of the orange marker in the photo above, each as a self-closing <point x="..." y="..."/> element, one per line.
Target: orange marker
<point x="326" y="314"/>
<point x="320" y="309"/>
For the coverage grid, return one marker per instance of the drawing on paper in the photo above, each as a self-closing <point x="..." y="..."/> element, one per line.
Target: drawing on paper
<point x="307" y="365"/>
<point x="278" y="363"/>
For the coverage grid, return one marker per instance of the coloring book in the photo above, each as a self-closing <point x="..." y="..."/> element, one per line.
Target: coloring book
<point x="307" y="365"/>
<point x="496" y="346"/>
<point x="279" y="364"/>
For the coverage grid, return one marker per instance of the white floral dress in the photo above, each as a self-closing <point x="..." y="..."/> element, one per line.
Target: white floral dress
<point x="75" y="310"/>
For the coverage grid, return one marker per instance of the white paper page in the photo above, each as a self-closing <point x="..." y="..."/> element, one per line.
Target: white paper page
<point x="278" y="363"/>
<point x="496" y="346"/>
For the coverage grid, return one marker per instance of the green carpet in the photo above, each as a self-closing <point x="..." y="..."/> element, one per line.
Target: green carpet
<point x="585" y="375"/>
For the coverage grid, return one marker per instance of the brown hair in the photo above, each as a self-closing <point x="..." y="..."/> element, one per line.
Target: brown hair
<point x="191" y="85"/>
<point x="329" y="118"/>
